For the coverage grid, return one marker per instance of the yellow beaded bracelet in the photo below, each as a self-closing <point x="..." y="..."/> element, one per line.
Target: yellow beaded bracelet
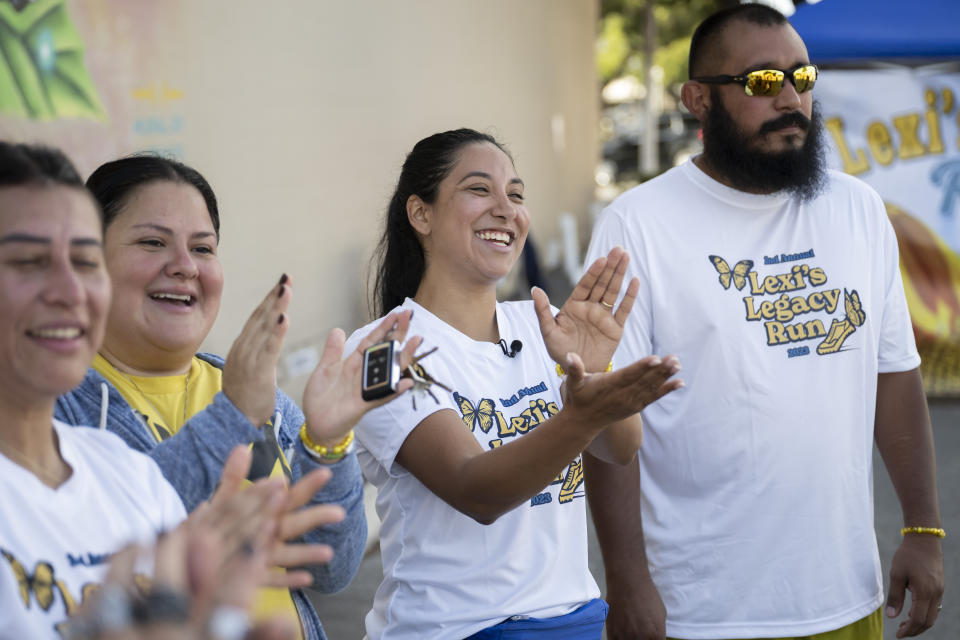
<point x="561" y="372"/>
<point x="934" y="531"/>
<point x="322" y="453"/>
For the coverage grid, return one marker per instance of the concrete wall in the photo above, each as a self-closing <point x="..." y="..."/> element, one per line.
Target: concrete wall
<point x="300" y="114"/>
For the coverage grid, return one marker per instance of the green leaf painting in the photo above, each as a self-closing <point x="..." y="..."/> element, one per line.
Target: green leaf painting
<point x="42" y="72"/>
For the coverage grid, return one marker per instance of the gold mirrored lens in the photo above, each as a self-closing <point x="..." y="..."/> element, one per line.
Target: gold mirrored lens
<point x="804" y="78"/>
<point x="766" y="82"/>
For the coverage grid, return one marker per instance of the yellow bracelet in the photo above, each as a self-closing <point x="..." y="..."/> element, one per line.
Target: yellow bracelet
<point x="561" y="372"/>
<point x="935" y="531"/>
<point x="322" y="453"/>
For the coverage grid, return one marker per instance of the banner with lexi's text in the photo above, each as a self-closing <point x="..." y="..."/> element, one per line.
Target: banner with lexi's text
<point x="899" y="130"/>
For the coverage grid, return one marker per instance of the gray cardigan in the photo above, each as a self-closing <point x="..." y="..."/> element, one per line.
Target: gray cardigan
<point x="193" y="458"/>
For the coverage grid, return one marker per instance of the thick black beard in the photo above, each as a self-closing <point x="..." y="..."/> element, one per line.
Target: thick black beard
<point x="801" y="172"/>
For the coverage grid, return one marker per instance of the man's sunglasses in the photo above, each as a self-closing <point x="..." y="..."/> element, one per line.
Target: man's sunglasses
<point x="769" y="82"/>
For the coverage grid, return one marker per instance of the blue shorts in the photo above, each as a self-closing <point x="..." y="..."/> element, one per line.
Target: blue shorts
<point x="585" y="623"/>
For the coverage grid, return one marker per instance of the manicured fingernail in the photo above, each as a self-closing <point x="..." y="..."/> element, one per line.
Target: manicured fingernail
<point x="280" y="291"/>
<point x="280" y="319"/>
<point x="283" y="279"/>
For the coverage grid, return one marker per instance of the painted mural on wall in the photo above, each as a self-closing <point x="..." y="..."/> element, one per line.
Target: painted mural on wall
<point x="43" y="74"/>
<point x="899" y="130"/>
<point x="96" y="78"/>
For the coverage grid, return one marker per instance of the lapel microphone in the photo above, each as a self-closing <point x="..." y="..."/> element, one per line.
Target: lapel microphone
<point x="515" y="347"/>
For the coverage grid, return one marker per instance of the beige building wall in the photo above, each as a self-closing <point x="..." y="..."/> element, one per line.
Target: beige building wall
<point x="300" y="113"/>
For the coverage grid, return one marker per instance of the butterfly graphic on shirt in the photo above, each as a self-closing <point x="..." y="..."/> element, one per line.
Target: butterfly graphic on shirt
<point x="40" y="583"/>
<point x="483" y="414"/>
<point x="738" y="274"/>
<point x="43" y="586"/>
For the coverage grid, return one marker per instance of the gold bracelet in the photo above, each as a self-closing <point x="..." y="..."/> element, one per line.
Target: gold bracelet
<point x="322" y="453"/>
<point x="561" y="372"/>
<point x="935" y="531"/>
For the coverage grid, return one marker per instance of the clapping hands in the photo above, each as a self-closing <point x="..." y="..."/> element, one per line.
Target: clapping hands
<point x="204" y="573"/>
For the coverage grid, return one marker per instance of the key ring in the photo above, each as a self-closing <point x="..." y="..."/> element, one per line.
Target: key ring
<point x="422" y="381"/>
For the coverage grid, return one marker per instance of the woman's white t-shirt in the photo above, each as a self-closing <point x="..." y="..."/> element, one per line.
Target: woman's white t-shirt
<point x="445" y="575"/>
<point x="56" y="544"/>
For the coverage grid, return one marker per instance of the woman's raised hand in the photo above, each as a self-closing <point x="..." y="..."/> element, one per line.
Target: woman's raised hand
<point x="587" y="323"/>
<point x="250" y="371"/>
<point x="205" y="572"/>
<point x="605" y="398"/>
<point x="293" y="518"/>
<point x="331" y="400"/>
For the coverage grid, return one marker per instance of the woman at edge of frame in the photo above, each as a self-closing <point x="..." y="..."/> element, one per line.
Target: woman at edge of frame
<point x="187" y="410"/>
<point x="479" y="488"/>
<point x="71" y="497"/>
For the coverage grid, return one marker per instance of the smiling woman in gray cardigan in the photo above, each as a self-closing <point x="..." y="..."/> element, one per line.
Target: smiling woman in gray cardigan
<point x="187" y="410"/>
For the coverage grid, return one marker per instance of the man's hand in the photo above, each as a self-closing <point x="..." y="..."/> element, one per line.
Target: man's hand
<point x="636" y="612"/>
<point x="904" y="438"/>
<point x="917" y="566"/>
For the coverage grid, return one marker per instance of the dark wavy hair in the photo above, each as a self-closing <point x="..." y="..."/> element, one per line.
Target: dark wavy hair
<point x="399" y="257"/>
<point x="113" y="183"/>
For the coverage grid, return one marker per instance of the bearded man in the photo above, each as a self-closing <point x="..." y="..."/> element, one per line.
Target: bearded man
<point x="776" y="283"/>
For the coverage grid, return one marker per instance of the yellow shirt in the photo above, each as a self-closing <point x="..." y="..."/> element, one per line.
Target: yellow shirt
<point x="165" y="403"/>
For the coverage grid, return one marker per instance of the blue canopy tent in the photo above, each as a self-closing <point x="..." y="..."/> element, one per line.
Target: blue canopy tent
<point x="856" y="31"/>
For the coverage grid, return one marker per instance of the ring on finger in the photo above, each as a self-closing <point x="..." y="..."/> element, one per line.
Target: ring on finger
<point x="607" y="305"/>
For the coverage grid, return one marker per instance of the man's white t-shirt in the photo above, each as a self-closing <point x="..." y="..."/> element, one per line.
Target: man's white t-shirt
<point x="445" y="575"/>
<point x="757" y="476"/>
<point x="56" y="544"/>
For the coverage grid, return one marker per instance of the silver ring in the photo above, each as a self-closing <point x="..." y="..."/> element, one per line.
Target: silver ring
<point x="607" y="305"/>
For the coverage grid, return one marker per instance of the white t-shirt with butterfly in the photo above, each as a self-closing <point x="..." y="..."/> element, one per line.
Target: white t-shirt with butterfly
<point x="55" y="544"/>
<point x="445" y="575"/>
<point x="757" y="476"/>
